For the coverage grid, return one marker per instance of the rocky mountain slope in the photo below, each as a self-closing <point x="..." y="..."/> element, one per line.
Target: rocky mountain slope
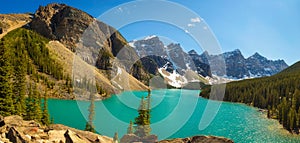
<point x="9" y="22"/>
<point x="93" y="41"/>
<point x="237" y="66"/>
<point x="170" y="61"/>
<point x="80" y="53"/>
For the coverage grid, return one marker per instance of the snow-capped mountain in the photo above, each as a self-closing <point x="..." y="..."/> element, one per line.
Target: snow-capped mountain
<point x="169" y="61"/>
<point x="157" y="57"/>
<point x="258" y="65"/>
<point x="239" y="67"/>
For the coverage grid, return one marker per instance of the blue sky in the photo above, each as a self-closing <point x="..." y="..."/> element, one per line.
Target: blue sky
<point x="269" y="27"/>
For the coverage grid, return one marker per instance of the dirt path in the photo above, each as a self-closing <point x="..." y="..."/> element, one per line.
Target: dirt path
<point x="22" y="23"/>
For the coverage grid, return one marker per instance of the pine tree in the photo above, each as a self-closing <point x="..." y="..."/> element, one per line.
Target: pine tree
<point x="89" y="125"/>
<point x="37" y="104"/>
<point x="45" y="115"/>
<point x="6" y="101"/>
<point x="116" y="137"/>
<point x="29" y="105"/>
<point x="20" y="85"/>
<point x="130" y="128"/>
<point x="143" y="120"/>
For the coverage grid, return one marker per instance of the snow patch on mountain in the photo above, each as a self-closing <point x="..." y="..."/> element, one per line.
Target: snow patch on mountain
<point x="174" y="79"/>
<point x="150" y="37"/>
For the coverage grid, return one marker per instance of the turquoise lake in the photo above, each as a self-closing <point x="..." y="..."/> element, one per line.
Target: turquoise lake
<point x="175" y="113"/>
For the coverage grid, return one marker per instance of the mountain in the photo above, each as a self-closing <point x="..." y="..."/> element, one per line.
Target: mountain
<point x="279" y="94"/>
<point x="258" y="65"/>
<point x="61" y="33"/>
<point x="176" y="66"/>
<point x="237" y="66"/>
<point x="292" y="69"/>
<point x="94" y="41"/>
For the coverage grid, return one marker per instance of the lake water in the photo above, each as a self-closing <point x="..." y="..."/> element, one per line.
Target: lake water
<point x="175" y="113"/>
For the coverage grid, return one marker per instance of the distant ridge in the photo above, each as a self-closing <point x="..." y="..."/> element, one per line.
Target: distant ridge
<point x="237" y="66"/>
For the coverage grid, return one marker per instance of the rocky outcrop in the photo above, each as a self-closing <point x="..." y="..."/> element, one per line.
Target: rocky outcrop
<point x="9" y="22"/>
<point x="198" y="139"/>
<point x="61" y="22"/>
<point x="13" y="129"/>
<point x="130" y="138"/>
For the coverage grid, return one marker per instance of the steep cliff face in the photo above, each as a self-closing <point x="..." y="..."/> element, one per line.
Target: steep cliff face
<point x="61" y="22"/>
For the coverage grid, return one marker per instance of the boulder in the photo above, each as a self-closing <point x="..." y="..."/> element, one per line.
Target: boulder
<point x="72" y="137"/>
<point x="129" y="138"/>
<point x="15" y="136"/>
<point x="83" y="134"/>
<point x="198" y="139"/>
<point x="56" y="136"/>
<point x="18" y="121"/>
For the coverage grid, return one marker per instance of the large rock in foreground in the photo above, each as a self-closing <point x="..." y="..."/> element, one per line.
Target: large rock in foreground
<point x="198" y="139"/>
<point x="13" y="129"/>
<point x="131" y="138"/>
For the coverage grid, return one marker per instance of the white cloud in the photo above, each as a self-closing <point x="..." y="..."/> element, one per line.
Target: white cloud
<point x="205" y="28"/>
<point x="120" y="9"/>
<point x="191" y="25"/>
<point x="196" y="20"/>
<point x="186" y="31"/>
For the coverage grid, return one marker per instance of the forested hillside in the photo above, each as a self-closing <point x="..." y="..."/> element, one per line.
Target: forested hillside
<point x="280" y="94"/>
<point x="28" y="73"/>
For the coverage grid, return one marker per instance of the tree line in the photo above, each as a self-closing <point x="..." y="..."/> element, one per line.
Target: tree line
<point x="24" y="59"/>
<point x="279" y="94"/>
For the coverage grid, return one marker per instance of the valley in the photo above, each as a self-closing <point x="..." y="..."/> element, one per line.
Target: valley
<point x="60" y="65"/>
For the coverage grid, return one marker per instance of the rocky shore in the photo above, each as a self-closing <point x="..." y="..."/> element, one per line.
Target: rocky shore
<point x="13" y="129"/>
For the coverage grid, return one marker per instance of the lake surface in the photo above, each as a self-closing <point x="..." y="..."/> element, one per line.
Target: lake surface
<point x="175" y="113"/>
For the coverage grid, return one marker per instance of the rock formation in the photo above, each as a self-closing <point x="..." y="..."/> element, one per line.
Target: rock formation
<point x="13" y="129"/>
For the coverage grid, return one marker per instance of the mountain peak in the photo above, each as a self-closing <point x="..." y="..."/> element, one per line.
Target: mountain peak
<point x="235" y="52"/>
<point x="151" y="37"/>
<point x="192" y="52"/>
<point x="256" y="55"/>
<point x="61" y="22"/>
